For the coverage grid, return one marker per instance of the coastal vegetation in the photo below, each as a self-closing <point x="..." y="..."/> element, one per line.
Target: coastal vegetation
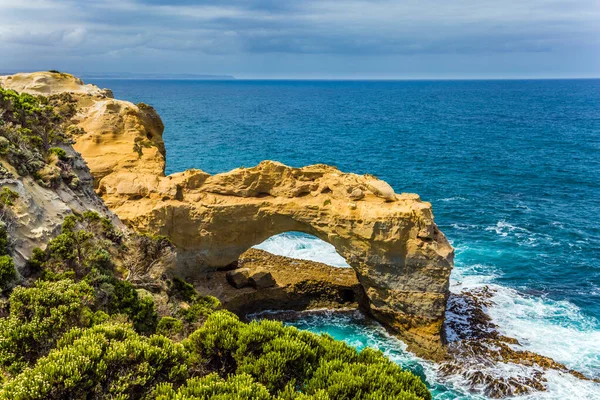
<point x="31" y="133"/>
<point x="76" y="330"/>
<point x="87" y="318"/>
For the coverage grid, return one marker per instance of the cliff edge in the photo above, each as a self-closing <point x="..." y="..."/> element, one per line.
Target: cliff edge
<point x="401" y="259"/>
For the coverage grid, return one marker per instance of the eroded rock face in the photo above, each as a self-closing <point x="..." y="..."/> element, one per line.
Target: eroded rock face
<point x="38" y="212"/>
<point x="401" y="258"/>
<point x="300" y="285"/>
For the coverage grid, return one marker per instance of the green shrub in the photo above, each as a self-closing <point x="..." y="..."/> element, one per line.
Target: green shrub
<point x="101" y="226"/>
<point x="58" y="152"/>
<point x="182" y="290"/>
<point x="169" y="327"/>
<point x="4" y="239"/>
<point x="8" y="273"/>
<point x="200" y="308"/>
<point x="83" y="244"/>
<point x="240" y="387"/>
<point x="8" y="196"/>
<point x="283" y="358"/>
<point x="38" y="317"/>
<point x="189" y="306"/>
<point x="126" y="300"/>
<point x="37" y="259"/>
<point x="105" y="361"/>
<point x="31" y="127"/>
<point x="381" y="380"/>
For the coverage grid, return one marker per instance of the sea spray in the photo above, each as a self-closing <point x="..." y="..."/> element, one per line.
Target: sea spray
<point x="551" y="328"/>
<point x="304" y="247"/>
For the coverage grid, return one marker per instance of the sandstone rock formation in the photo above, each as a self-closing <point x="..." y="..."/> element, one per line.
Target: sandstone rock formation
<point x="38" y="212"/>
<point x="401" y="258"/>
<point x="239" y="278"/>
<point x="301" y="285"/>
<point x="47" y="83"/>
<point x="262" y="279"/>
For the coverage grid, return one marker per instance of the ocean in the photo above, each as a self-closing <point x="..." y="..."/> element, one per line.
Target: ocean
<point x="512" y="169"/>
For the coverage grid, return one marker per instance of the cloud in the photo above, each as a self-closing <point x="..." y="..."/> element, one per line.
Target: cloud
<point x="240" y="29"/>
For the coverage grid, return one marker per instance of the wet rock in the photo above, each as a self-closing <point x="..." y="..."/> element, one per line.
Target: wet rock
<point x="262" y="279"/>
<point x="477" y="348"/>
<point x="239" y="278"/>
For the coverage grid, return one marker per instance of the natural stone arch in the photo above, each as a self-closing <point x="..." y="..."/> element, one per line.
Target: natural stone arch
<point x="401" y="258"/>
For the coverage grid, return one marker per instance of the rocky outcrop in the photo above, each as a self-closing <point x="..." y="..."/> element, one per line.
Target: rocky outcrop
<point x="476" y="348"/>
<point x="47" y="83"/>
<point x="400" y="257"/>
<point x="38" y="212"/>
<point x="297" y="285"/>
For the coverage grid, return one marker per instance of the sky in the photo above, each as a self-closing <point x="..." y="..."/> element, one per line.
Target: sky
<point x="327" y="39"/>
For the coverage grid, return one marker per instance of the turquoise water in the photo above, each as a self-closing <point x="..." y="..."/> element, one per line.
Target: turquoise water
<point x="512" y="169"/>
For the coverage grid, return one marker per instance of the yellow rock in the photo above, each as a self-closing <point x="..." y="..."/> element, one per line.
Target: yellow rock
<point x="401" y="258"/>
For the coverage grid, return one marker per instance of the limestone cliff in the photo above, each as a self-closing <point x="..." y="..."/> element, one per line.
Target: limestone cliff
<point x="401" y="258"/>
<point x="40" y="190"/>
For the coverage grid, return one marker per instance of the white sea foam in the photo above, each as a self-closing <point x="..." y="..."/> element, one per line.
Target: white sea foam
<point x="462" y="227"/>
<point x="504" y="228"/>
<point x="557" y="329"/>
<point x="304" y="247"/>
<point x="455" y="198"/>
<point x="523" y="236"/>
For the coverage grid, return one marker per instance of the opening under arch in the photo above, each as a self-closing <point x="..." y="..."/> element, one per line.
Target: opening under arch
<point x="303" y="246"/>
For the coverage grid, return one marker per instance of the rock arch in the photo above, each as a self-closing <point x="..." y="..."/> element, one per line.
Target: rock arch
<point x="401" y="258"/>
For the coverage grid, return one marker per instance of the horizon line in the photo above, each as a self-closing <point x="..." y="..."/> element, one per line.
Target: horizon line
<point x="233" y="78"/>
<point x="230" y="77"/>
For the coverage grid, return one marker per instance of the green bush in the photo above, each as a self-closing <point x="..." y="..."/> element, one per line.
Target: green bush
<point x="140" y="310"/>
<point x="38" y="317"/>
<point x="240" y="387"/>
<point x="4" y="239"/>
<point x="83" y="244"/>
<point x="182" y="290"/>
<point x="8" y="273"/>
<point x="199" y="307"/>
<point x="106" y="361"/>
<point x="31" y="127"/>
<point x="369" y="381"/>
<point x="58" y="152"/>
<point x="8" y="196"/>
<point x="37" y="259"/>
<point x="169" y="327"/>
<point x="281" y="358"/>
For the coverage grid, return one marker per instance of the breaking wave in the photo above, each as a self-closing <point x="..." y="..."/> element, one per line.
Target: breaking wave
<point x="557" y="329"/>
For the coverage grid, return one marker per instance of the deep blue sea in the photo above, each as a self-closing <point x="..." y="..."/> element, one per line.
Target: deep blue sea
<point x="512" y="169"/>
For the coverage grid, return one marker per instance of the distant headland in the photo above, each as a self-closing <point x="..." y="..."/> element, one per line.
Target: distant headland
<point x="145" y="76"/>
